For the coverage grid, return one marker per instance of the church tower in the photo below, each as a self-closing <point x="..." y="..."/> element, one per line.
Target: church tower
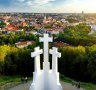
<point x="45" y="19"/>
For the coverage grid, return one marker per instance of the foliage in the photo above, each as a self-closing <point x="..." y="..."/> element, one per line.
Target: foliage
<point x="71" y="20"/>
<point x="87" y="86"/>
<point x="77" y="35"/>
<point x="13" y="38"/>
<point x="2" y="24"/>
<point x="7" y="79"/>
<point x="76" y="62"/>
<point x="15" y="61"/>
<point x="79" y="62"/>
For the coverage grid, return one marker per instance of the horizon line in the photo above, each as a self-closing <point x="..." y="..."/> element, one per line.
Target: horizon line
<point x="50" y="12"/>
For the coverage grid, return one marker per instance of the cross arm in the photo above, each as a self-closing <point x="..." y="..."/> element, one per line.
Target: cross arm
<point x="37" y="52"/>
<point x="54" y="52"/>
<point x="46" y="38"/>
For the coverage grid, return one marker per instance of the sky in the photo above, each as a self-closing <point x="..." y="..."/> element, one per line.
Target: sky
<point x="48" y="6"/>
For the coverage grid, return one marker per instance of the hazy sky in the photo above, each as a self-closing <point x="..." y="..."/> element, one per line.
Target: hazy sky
<point x="47" y="6"/>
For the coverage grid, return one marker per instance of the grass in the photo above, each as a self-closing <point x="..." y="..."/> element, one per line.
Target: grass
<point x="86" y="86"/>
<point x="8" y="79"/>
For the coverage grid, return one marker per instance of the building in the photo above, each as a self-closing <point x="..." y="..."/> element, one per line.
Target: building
<point x="23" y="44"/>
<point x="60" y="44"/>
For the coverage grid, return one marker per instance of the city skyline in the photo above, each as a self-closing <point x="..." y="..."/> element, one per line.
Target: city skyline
<point x="48" y="6"/>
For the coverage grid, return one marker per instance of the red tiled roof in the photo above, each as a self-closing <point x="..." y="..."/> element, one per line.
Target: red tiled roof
<point x="23" y="43"/>
<point x="11" y="27"/>
<point x="59" y="44"/>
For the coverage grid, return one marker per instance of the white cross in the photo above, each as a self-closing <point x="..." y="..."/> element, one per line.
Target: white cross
<point x="46" y="41"/>
<point x="55" y="54"/>
<point x="36" y="54"/>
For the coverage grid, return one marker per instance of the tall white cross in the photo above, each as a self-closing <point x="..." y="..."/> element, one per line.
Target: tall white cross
<point x="46" y="41"/>
<point x="55" y="54"/>
<point x="36" y="54"/>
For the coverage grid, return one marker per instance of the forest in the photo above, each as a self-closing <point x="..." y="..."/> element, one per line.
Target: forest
<point x="78" y="60"/>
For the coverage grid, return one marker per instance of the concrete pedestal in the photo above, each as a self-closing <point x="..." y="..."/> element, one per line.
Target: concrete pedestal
<point x="46" y="81"/>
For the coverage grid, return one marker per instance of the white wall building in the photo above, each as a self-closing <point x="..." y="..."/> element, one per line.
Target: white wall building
<point x="23" y="44"/>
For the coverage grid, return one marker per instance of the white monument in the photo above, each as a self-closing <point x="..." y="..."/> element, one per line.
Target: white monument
<point x="46" y="78"/>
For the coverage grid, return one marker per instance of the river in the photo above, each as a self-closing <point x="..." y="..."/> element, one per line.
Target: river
<point x="93" y="29"/>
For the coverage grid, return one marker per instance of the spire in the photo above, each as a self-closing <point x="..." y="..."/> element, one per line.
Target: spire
<point x="45" y="18"/>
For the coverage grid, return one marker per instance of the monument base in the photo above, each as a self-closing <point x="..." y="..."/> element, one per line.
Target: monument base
<point x="50" y="83"/>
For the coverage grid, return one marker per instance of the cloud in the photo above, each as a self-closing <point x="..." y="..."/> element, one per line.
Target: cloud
<point x="35" y="5"/>
<point x="48" y="5"/>
<point x="34" y="2"/>
<point x="21" y="0"/>
<point x="42" y="2"/>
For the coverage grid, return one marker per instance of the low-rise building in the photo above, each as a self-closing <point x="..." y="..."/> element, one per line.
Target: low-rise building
<point x="23" y="44"/>
<point x="60" y="44"/>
